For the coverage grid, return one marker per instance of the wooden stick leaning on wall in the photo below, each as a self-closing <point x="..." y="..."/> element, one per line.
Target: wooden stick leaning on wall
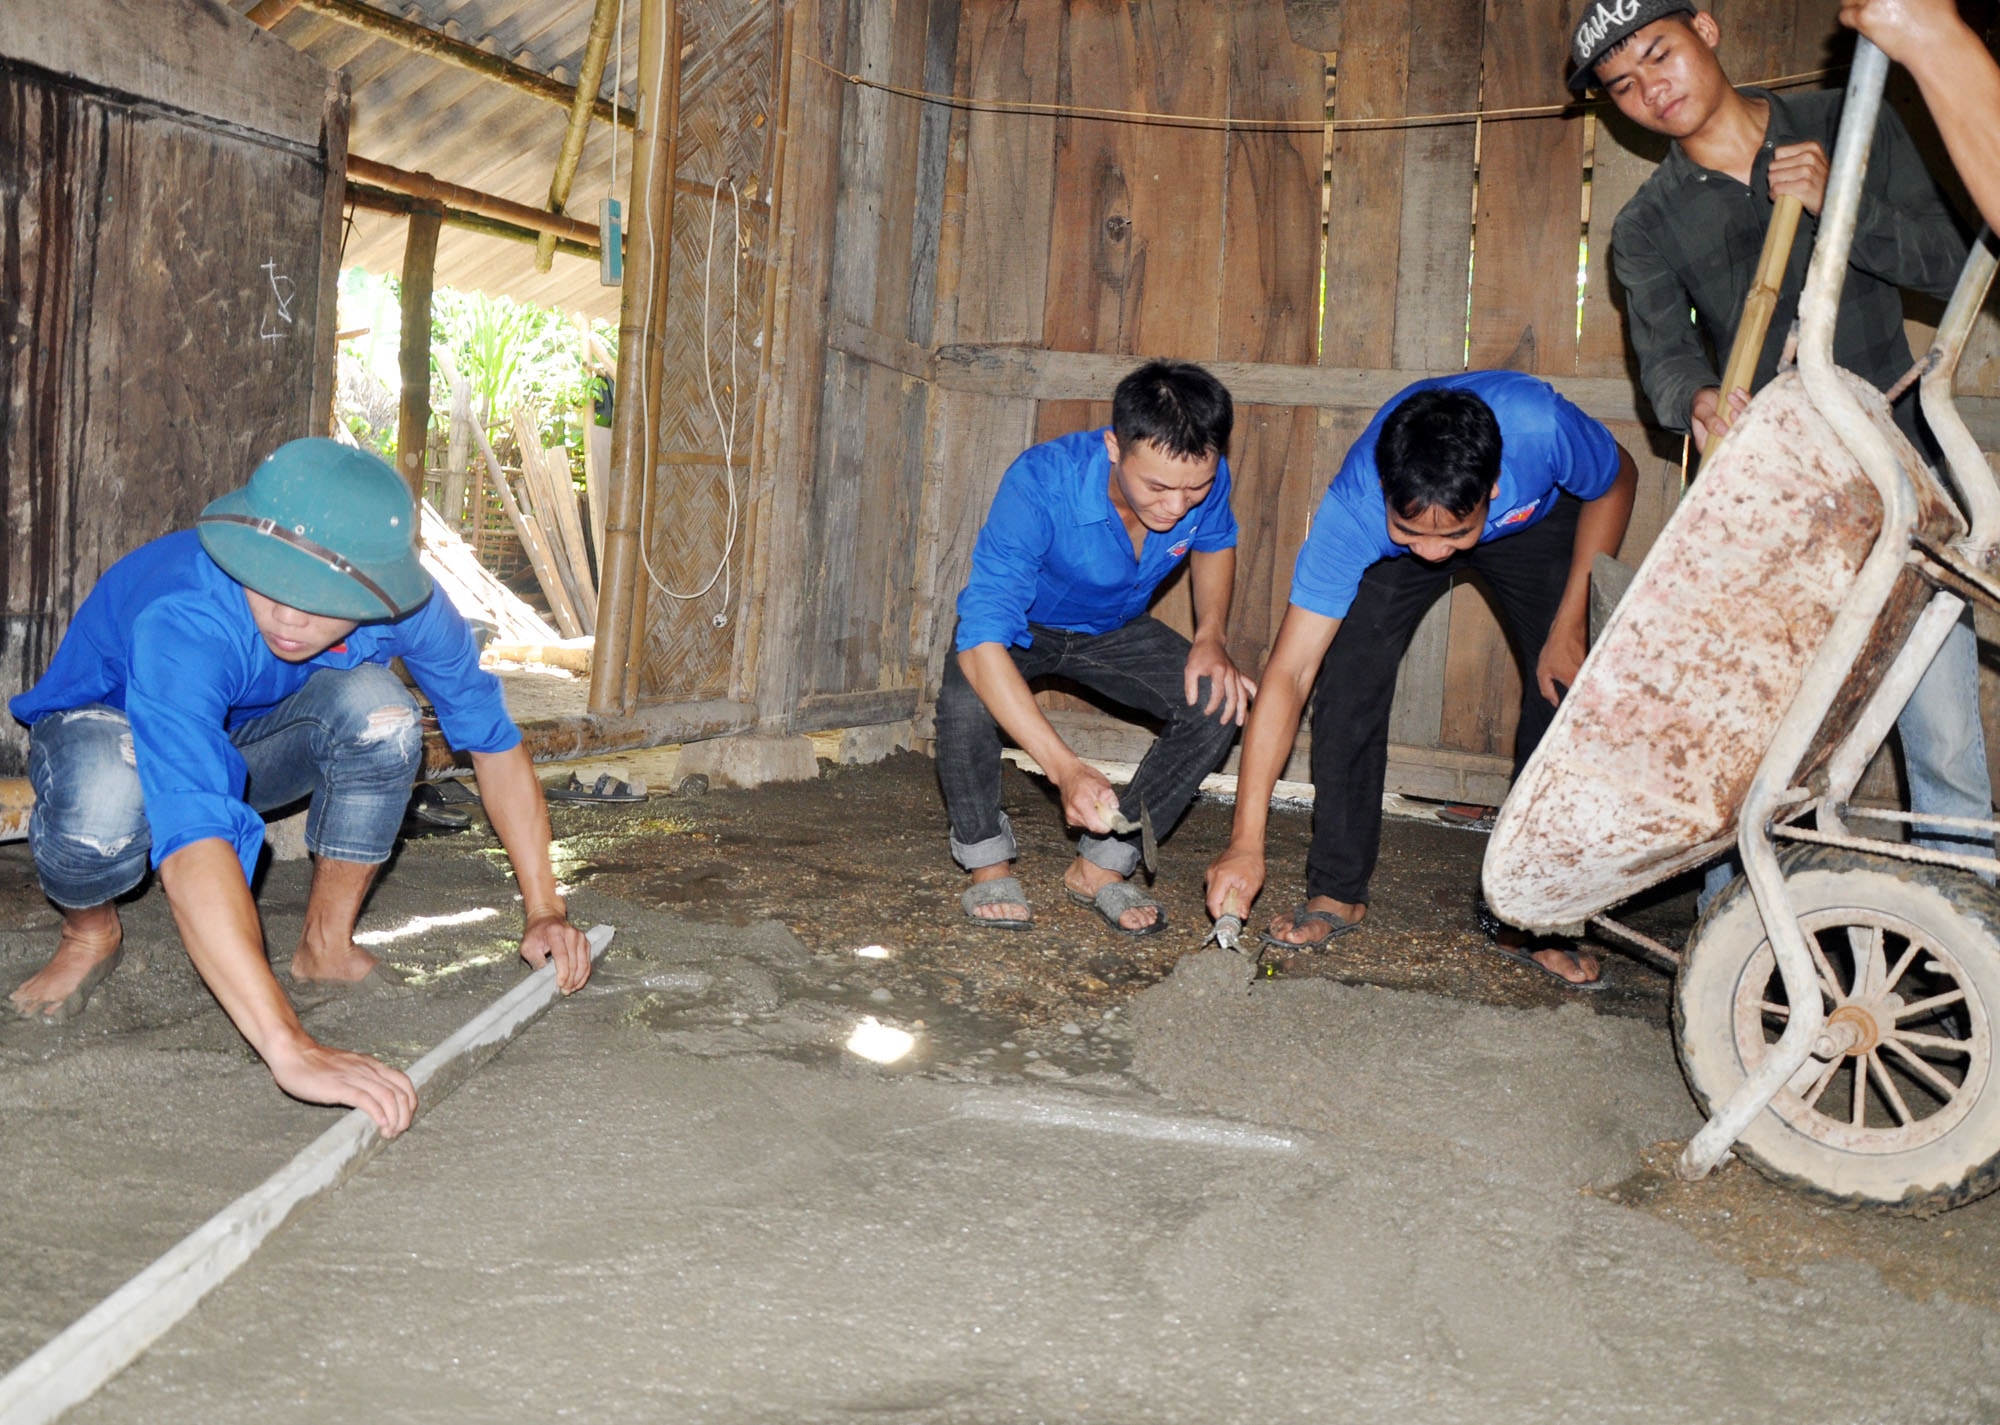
<point x="472" y="587"/>
<point x="532" y="540"/>
<point x="589" y="77"/>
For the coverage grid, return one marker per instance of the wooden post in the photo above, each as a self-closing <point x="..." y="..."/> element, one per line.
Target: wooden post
<point x="413" y="416"/>
<point x="590" y="74"/>
<point x="458" y="455"/>
<point x="641" y="308"/>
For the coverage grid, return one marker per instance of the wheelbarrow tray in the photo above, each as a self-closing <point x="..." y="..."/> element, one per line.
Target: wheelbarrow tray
<point x="1645" y="765"/>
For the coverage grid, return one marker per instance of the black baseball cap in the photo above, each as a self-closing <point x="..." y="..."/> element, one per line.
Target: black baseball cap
<point x="1605" y="24"/>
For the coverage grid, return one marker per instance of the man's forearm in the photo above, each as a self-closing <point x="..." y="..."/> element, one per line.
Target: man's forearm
<point x="1267" y="746"/>
<point x="217" y="919"/>
<point x="1214" y="576"/>
<point x="1600" y="529"/>
<point x="514" y="804"/>
<point x="991" y="671"/>
<point x="1961" y="84"/>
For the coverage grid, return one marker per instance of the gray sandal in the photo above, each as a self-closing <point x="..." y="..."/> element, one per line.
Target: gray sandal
<point x="1003" y="890"/>
<point x="1114" y="900"/>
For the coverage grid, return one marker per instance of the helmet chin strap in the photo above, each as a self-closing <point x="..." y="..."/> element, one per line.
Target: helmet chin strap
<point x="338" y="563"/>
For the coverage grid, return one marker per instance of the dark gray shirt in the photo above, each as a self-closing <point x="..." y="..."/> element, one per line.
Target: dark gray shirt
<point x="1690" y="238"/>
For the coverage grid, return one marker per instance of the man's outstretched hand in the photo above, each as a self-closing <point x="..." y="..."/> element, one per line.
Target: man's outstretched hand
<point x="550" y="936"/>
<point x="315" y="1073"/>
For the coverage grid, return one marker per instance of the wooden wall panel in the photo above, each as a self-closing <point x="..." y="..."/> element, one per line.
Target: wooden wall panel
<point x="729" y="82"/>
<point x="170" y="351"/>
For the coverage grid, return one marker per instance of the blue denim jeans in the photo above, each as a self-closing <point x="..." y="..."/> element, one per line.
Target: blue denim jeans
<point x="1944" y="755"/>
<point x="350" y="739"/>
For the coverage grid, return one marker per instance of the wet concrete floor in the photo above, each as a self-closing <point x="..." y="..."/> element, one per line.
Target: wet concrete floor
<point x="1114" y="1179"/>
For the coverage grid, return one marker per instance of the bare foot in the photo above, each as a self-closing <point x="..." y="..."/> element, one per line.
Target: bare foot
<point x="1572" y="965"/>
<point x="327" y="950"/>
<point x="1308" y="933"/>
<point x="344" y="961"/>
<point x="999" y="910"/>
<point x="90" y="938"/>
<point x="1087" y="878"/>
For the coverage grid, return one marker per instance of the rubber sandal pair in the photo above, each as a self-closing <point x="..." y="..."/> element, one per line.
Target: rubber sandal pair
<point x="1303" y="914"/>
<point x="62" y="1011"/>
<point x="606" y="788"/>
<point x="1114" y="899"/>
<point x="430" y="805"/>
<point x="1002" y="890"/>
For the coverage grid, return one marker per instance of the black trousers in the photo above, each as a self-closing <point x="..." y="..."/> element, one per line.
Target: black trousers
<point x="1526" y="573"/>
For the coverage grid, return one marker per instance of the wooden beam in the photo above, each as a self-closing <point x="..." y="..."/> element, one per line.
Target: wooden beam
<point x="562" y="739"/>
<point x="590" y="75"/>
<point x="641" y="308"/>
<point x="424" y="40"/>
<point x="265" y="14"/>
<point x="1033" y="373"/>
<point x="381" y="200"/>
<point x="471" y="200"/>
<point x="111" y="1335"/>
<point x="413" y="414"/>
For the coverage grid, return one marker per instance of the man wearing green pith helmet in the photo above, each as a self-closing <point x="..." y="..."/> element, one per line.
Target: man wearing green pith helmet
<point x="242" y="666"/>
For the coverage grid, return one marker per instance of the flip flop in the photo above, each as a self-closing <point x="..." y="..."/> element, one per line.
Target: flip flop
<point x="1002" y="890"/>
<point x="607" y="788"/>
<point x="62" y="1011"/>
<point x="1114" y="900"/>
<point x="1301" y="913"/>
<point x="1527" y="957"/>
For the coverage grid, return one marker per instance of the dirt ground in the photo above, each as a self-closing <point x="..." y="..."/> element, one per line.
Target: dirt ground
<point x="858" y="857"/>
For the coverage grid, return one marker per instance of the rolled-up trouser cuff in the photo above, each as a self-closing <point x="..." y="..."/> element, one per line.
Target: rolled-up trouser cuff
<point x="1114" y="854"/>
<point x="990" y="852"/>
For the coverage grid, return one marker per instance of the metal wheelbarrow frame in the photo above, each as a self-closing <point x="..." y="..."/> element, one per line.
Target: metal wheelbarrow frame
<point x="1880" y="636"/>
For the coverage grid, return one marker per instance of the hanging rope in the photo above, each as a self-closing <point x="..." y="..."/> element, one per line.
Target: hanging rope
<point x="1268" y="126"/>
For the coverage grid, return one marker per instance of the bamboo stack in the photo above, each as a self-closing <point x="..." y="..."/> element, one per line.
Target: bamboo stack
<point x="552" y="501"/>
<point x="472" y="588"/>
<point x="540" y="556"/>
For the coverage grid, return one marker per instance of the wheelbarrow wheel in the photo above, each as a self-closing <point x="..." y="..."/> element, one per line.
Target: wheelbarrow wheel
<point x="1910" y="956"/>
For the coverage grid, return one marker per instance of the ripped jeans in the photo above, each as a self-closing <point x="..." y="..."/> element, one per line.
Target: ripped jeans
<point x="350" y="739"/>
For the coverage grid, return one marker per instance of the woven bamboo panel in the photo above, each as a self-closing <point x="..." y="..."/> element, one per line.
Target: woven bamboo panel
<point x="726" y="97"/>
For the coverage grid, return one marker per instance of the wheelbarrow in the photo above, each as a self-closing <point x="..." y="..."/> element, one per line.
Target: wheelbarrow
<point x="1835" y="1010"/>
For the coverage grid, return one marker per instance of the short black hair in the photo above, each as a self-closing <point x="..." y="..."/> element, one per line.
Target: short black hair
<point x="1176" y="405"/>
<point x="1438" y="448"/>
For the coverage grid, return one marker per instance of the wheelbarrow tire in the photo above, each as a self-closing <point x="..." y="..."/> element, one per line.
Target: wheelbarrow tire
<point x="1929" y="1138"/>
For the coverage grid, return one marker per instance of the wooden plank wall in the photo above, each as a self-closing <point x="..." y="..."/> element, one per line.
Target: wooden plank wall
<point x="175" y="343"/>
<point x="1445" y="242"/>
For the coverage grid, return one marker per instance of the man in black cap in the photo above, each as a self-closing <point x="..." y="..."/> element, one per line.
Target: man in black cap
<point x="1690" y="239"/>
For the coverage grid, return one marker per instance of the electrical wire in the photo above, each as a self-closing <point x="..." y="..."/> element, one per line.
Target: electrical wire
<point x="725" y="428"/>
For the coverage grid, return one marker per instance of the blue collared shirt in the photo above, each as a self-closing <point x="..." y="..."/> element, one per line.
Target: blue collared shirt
<point x="1054" y="552"/>
<point x="1547" y="446"/>
<point x="166" y="636"/>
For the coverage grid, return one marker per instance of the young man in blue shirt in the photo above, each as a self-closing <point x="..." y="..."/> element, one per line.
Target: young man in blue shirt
<point x="1082" y="531"/>
<point x="1489" y="472"/>
<point x="239" y="667"/>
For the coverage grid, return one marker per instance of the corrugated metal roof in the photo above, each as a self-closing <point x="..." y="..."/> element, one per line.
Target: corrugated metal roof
<point x="417" y="112"/>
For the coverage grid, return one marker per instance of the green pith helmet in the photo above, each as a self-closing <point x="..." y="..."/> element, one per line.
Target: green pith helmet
<point x="324" y="528"/>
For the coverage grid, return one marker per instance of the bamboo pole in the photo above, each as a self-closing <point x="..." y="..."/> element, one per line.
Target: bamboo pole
<point x="413" y="412"/>
<point x="554" y="493"/>
<point x="424" y="40"/>
<point x="649" y="244"/>
<point x="1761" y="301"/>
<point x="436" y="190"/>
<point x="380" y="200"/>
<point x="590" y="75"/>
